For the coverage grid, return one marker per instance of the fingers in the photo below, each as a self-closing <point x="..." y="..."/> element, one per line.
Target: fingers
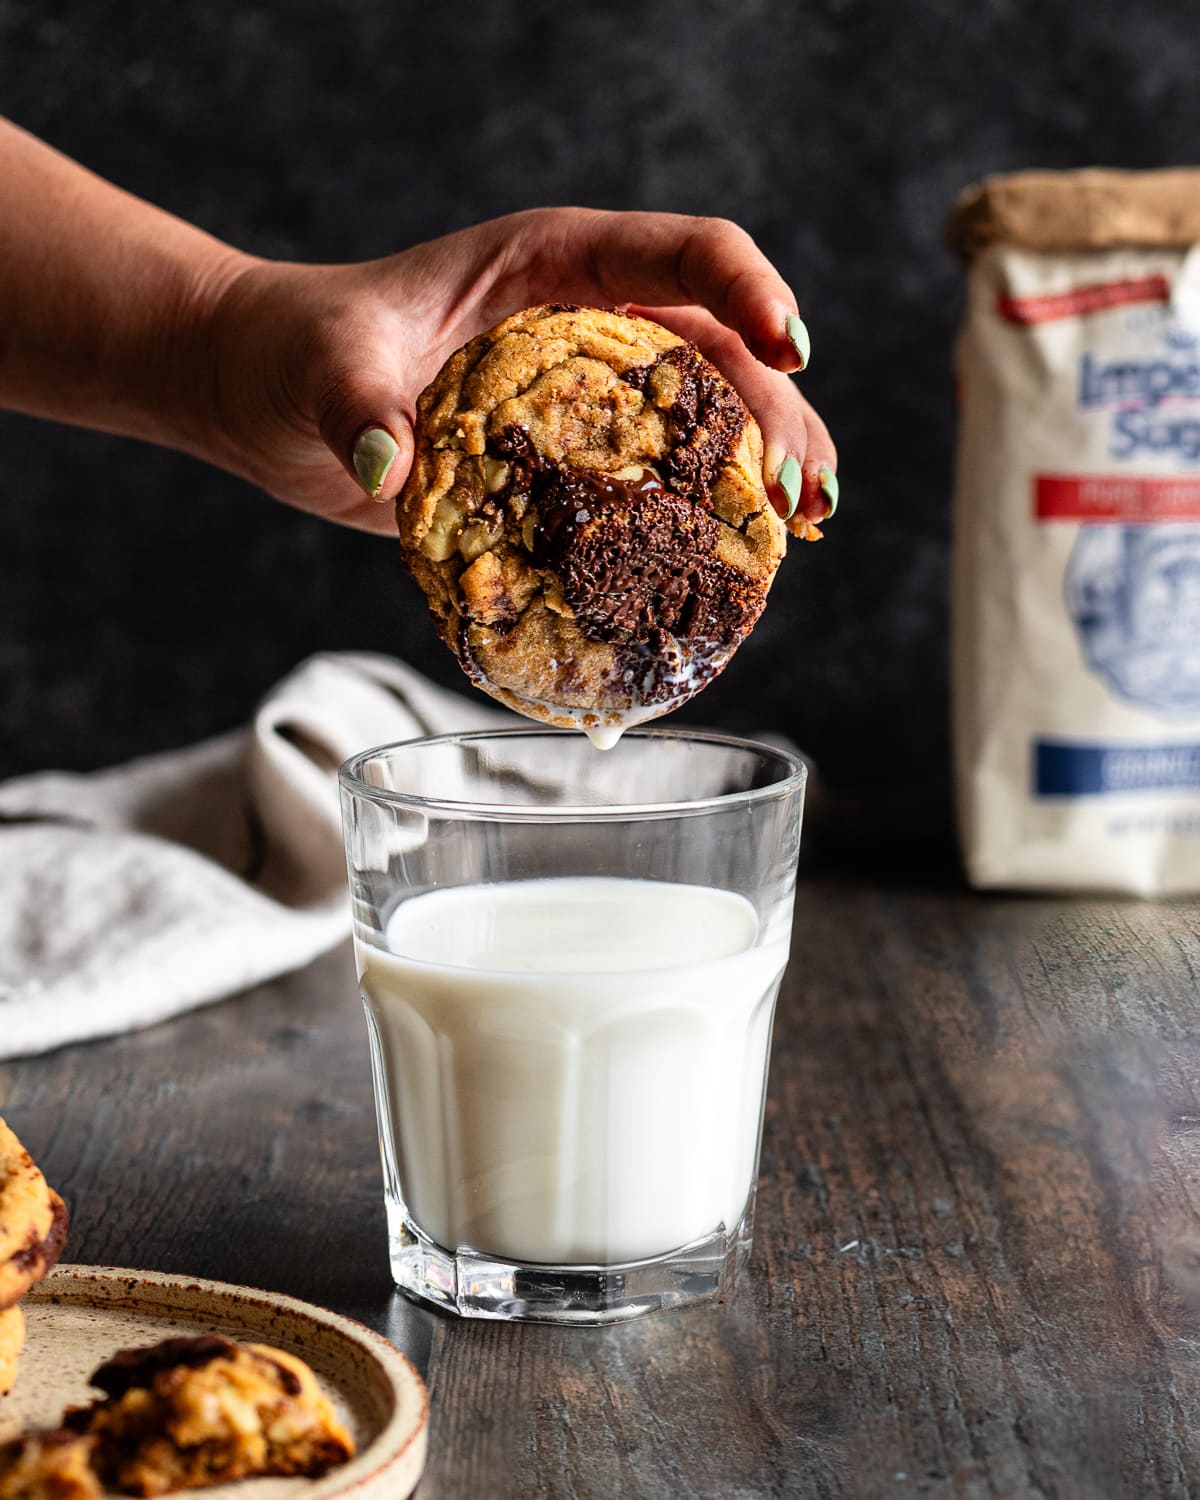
<point x="799" y="458"/>
<point x="819" y="491"/>
<point x="361" y="412"/>
<point x="666" y="260"/>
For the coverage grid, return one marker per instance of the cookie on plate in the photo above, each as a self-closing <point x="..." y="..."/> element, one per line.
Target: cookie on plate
<point x="587" y="517"/>
<point x="12" y="1340"/>
<point x="48" y="1466"/>
<point x="33" y="1221"/>
<point x="192" y="1412"/>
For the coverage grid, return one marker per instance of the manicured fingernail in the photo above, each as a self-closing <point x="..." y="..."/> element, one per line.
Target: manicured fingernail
<point x="828" y="481"/>
<point x="374" y="454"/>
<point x="790" y="480"/>
<point x="797" y="336"/>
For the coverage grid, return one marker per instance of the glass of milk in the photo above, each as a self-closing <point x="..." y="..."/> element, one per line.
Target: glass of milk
<point x="569" y="961"/>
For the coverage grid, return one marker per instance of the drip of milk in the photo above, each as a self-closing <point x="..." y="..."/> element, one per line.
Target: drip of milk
<point x="574" y="1068"/>
<point x="606" y="736"/>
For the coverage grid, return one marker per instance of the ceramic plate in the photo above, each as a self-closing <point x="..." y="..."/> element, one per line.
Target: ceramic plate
<point x="81" y="1315"/>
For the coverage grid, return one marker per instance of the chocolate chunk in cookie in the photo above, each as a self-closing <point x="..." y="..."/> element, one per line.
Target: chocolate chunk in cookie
<point x="587" y="517"/>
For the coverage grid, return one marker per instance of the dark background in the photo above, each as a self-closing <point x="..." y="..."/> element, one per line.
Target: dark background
<point x="148" y="600"/>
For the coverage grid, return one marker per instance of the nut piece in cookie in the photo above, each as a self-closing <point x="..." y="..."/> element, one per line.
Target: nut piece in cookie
<point x="12" y="1340"/>
<point x="48" y="1466"/>
<point x="587" y="517"/>
<point x="192" y="1412"/>
<point x="33" y="1221"/>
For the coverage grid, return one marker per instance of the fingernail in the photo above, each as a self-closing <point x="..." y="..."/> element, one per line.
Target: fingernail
<point x="797" y="336"/>
<point x="828" y="481"/>
<point x="374" y="454"/>
<point x="790" y="480"/>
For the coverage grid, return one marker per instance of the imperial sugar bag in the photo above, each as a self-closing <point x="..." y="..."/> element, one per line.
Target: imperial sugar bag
<point x="1076" y="615"/>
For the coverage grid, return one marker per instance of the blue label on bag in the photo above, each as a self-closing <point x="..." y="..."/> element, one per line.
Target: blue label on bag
<point x="1065" y="768"/>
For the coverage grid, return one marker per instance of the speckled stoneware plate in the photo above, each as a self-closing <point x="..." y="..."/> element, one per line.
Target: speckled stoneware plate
<point x="81" y="1315"/>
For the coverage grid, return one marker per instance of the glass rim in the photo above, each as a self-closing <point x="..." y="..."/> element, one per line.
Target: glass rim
<point x="793" y="778"/>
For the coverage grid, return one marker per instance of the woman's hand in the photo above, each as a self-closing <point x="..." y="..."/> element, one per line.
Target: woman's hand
<point x="314" y="371"/>
<point x="304" y="379"/>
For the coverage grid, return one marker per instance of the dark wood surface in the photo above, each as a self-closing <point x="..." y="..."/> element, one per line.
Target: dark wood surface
<point x="977" y="1265"/>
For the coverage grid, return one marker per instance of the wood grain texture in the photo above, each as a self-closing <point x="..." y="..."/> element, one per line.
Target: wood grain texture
<point x="977" y="1263"/>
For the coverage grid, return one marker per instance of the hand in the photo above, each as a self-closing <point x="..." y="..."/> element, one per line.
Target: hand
<point x="305" y="359"/>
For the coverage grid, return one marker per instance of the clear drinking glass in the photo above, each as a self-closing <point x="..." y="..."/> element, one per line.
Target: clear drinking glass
<point x="569" y="960"/>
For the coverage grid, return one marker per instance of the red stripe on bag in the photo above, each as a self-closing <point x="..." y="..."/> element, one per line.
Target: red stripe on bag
<point x="1082" y="300"/>
<point x="1127" y="499"/>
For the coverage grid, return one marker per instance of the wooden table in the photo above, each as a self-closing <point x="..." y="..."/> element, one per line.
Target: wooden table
<point x="977" y="1268"/>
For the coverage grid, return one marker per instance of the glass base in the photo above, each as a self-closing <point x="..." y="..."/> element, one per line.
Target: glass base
<point x="474" y="1285"/>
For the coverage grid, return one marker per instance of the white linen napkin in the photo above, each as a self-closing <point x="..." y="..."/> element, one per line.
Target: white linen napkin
<point x="130" y="895"/>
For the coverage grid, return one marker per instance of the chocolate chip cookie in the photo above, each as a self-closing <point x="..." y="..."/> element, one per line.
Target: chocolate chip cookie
<point x="192" y="1412"/>
<point x="587" y="517"/>
<point x="33" y="1221"/>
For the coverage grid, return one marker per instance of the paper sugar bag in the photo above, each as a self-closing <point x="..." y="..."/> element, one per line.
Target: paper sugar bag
<point x="1077" y="533"/>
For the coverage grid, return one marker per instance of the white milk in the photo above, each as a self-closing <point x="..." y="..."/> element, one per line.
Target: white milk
<point x="574" y="1067"/>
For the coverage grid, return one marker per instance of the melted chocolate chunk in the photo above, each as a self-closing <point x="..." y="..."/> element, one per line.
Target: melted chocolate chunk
<point x="132" y="1368"/>
<point x="42" y="1255"/>
<point x="633" y="557"/>
<point x="707" y="418"/>
<point x="515" y="444"/>
<point x="466" y="652"/>
<point x="624" y="551"/>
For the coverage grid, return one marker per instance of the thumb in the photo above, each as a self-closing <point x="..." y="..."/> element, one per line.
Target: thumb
<point x="362" y="421"/>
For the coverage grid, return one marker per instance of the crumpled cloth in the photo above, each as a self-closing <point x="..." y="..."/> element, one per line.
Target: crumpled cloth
<point x="130" y="895"/>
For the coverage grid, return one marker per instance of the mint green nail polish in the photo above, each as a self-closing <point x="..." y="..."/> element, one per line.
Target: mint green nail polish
<point x="791" y="481"/>
<point x="829" y="488"/>
<point x="374" y="454"/>
<point x="797" y="336"/>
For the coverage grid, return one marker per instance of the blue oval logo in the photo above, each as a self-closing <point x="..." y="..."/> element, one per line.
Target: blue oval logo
<point x="1134" y="595"/>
